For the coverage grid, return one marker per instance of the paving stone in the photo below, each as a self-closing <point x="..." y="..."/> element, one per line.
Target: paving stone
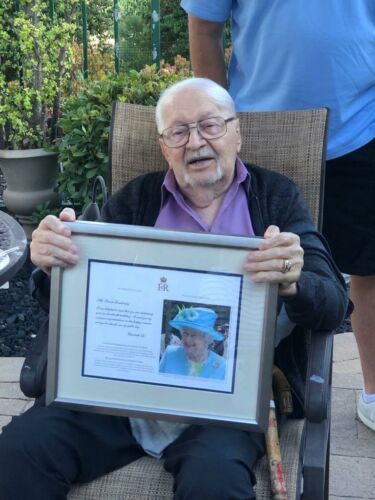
<point x="345" y="347"/>
<point x="352" y="477"/>
<point x="343" y="421"/>
<point x="364" y="432"/>
<point x="352" y="366"/>
<point x="10" y="369"/>
<point x="12" y="406"/>
<point x="361" y="446"/>
<point x="29" y="404"/>
<point x="347" y="381"/>
<point x="347" y="375"/>
<point x="347" y="372"/>
<point x="11" y="390"/>
<point x="4" y="421"/>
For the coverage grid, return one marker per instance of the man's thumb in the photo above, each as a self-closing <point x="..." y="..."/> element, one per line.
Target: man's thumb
<point x="271" y="231"/>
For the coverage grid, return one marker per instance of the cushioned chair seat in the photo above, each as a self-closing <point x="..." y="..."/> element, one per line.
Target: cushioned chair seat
<point x="146" y="479"/>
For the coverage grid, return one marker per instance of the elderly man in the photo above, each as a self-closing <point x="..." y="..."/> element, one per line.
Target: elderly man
<point x="208" y="189"/>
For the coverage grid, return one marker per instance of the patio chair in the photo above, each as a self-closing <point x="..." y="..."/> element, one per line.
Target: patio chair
<point x="292" y="143"/>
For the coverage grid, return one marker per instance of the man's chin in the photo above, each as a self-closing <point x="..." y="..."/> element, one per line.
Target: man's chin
<point x="203" y="178"/>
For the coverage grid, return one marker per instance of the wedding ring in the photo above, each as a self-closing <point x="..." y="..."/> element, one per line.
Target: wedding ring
<point x="287" y="266"/>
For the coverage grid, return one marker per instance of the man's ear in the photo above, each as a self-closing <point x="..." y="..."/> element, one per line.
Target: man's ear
<point x="238" y="132"/>
<point x="165" y="151"/>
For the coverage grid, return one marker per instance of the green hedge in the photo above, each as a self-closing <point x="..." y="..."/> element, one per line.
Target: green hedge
<point x="83" y="148"/>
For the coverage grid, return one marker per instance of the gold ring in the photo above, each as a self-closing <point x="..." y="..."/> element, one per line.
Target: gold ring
<point x="287" y="266"/>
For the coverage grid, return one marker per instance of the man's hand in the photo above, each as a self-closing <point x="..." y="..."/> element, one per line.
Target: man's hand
<point x="51" y="244"/>
<point x="270" y="262"/>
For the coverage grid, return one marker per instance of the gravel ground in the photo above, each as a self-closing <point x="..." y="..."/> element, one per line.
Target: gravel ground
<point x="21" y="315"/>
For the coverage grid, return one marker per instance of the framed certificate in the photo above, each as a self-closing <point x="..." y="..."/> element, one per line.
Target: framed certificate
<point x="161" y="324"/>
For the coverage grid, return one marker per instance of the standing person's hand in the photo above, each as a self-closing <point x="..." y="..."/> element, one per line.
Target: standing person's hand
<point x="279" y="259"/>
<point x="51" y="243"/>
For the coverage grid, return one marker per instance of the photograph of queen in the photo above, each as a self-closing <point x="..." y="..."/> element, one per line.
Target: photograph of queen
<point x="194" y="357"/>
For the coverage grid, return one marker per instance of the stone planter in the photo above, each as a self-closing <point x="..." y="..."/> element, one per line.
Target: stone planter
<point x="30" y="177"/>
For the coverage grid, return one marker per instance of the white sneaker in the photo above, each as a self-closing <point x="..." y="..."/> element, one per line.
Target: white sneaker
<point x="366" y="413"/>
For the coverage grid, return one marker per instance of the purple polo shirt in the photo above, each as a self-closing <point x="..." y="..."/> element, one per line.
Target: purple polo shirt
<point x="233" y="216"/>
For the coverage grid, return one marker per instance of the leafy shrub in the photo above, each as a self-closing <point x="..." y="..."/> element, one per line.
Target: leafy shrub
<point x="35" y="58"/>
<point x="83" y="149"/>
<point x="101" y="63"/>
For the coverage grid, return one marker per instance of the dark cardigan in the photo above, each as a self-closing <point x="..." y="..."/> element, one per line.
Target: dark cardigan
<point x="321" y="302"/>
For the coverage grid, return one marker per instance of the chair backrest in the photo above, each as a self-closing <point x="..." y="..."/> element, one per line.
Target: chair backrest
<point x="289" y="142"/>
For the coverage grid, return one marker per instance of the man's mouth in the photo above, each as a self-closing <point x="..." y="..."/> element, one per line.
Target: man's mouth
<point x="200" y="161"/>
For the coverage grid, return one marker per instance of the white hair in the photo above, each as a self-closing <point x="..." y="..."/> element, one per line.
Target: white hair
<point x="213" y="90"/>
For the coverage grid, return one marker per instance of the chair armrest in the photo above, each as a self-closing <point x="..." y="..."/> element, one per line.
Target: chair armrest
<point x="318" y="379"/>
<point x="315" y="460"/>
<point x="40" y="288"/>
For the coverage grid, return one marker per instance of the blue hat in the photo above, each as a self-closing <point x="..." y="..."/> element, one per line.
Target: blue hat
<point x="198" y="318"/>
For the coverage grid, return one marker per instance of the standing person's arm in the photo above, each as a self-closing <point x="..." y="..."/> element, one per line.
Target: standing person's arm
<point x="206" y="49"/>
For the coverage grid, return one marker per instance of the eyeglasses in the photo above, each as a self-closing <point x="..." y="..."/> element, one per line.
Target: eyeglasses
<point x="209" y="128"/>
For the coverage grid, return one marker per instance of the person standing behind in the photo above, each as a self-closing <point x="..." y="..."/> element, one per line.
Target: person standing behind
<point x="297" y="55"/>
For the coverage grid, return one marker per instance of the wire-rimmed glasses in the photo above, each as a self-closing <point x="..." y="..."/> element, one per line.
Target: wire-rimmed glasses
<point x="209" y="128"/>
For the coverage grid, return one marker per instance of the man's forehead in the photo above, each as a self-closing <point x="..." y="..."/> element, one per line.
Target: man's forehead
<point x="189" y="106"/>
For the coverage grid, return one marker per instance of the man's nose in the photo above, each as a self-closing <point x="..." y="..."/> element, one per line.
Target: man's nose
<point x="195" y="139"/>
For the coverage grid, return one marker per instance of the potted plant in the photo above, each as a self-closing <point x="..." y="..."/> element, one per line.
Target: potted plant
<point x="35" y="58"/>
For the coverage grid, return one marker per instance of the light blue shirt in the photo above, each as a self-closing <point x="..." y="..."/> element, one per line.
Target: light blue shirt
<point x="175" y="361"/>
<point x="298" y="54"/>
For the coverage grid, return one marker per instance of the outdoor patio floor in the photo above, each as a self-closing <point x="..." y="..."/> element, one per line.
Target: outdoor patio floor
<point x="352" y="469"/>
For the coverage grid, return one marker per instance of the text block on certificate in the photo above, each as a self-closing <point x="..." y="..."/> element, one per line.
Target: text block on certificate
<point x="124" y="319"/>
